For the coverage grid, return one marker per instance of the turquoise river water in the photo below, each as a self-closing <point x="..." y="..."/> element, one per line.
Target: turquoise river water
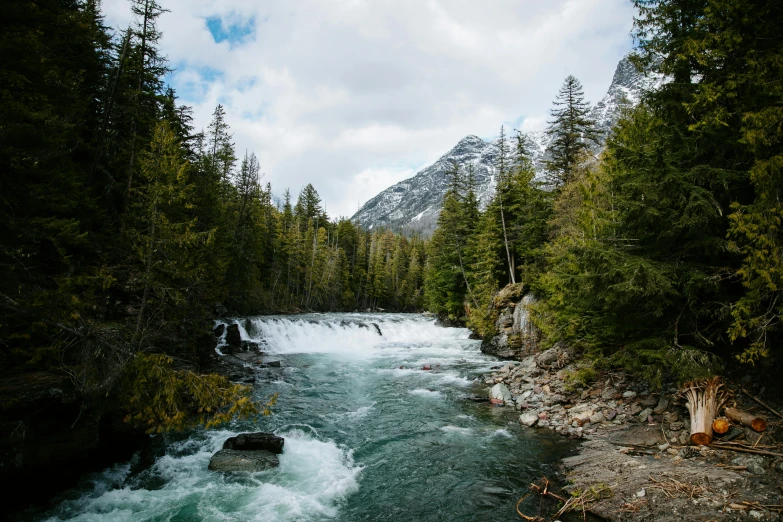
<point x="369" y="436"/>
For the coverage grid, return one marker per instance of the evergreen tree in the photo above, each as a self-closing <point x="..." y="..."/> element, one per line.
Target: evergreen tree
<point x="572" y="132"/>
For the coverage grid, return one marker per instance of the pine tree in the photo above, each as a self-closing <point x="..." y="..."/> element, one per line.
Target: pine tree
<point x="502" y="167"/>
<point x="148" y="67"/>
<point x="164" y="235"/>
<point x="572" y="132"/>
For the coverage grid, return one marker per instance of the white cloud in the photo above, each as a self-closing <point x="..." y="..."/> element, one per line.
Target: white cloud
<point x="354" y="95"/>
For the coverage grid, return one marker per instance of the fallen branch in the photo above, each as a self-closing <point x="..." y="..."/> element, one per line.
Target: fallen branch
<point x="747" y="450"/>
<point x="746" y="419"/>
<point x="758" y="401"/>
<point x="674" y="488"/>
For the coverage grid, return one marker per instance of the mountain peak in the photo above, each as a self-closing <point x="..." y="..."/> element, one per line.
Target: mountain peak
<point x="413" y="205"/>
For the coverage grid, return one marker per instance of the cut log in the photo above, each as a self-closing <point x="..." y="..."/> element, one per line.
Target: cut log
<point x="754" y="422"/>
<point x="705" y="397"/>
<point x="720" y="425"/>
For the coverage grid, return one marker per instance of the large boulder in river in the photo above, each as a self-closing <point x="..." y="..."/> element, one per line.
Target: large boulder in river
<point x="255" y="441"/>
<point x="228" y="460"/>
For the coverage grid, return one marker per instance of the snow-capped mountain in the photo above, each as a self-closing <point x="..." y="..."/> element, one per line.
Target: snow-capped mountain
<point x="413" y="205"/>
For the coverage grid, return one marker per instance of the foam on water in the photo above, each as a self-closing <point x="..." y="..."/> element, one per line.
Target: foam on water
<point x="457" y="430"/>
<point x="314" y="476"/>
<point x="423" y="392"/>
<point x="349" y="334"/>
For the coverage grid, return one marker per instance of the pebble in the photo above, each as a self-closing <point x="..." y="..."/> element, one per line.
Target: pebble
<point x="629" y="394"/>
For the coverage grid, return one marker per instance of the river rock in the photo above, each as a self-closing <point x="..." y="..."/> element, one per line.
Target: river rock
<point x="662" y="405"/>
<point x="597" y="418"/>
<point x="500" y="392"/>
<point x="644" y="414"/>
<point x="233" y="337"/>
<point x="255" y="441"/>
<point x="755" y="463"/>
<point x="630" y="394"/>
<point x="528" y="419"/>
<point x="219" y="330"/>
<point x="228" y="460"/>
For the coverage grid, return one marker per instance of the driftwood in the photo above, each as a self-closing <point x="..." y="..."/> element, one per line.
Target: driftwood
<point x="746" y="419"/>
<point x="720" y="425"/>
<point x="705" y="397"/>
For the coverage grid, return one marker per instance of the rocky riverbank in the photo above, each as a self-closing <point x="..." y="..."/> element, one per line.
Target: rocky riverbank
<point x="636" y="461"/>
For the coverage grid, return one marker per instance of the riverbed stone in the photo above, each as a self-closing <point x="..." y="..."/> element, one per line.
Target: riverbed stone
<point x="233" y="337"/>
<point x="663" y="403"/>
<point x="255" y="441"/>
<point x="529" y="419"/>
<point x="500" y="392"/>
<point x="229" y="460"/>
<point x="645" y="413"/>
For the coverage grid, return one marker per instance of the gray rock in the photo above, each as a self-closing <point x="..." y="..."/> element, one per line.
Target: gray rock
<point x="219" y="330"/>
<point x="630" y="394"/>
<point x="597" y="418"/>
<point x="649" y="401"/>
<point x="233" y="337"/>
<point x="662" y="405"/>
<point x="608" y="393"/>
<point x="255" y="441"/>
<point x="500" y="392"/>
<point x="529" y="419"/>
<point x="228" y="460"/>
<point x="756" y="464"/>
<point x="644" y="414"/>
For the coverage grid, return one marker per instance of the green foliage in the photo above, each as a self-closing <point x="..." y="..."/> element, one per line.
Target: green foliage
<point x="664" y="255"/>
<point x="161" y="398"/>
<point x="580" y="378"/>
<point x="572" y="132"/>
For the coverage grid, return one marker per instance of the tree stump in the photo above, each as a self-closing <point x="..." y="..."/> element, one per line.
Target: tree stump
<point x="705" y="397"/>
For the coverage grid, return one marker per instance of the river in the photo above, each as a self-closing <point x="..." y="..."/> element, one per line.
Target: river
<point x="369" y="436"/>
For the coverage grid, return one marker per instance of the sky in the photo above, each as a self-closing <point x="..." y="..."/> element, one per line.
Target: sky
<point x="356" y="95"/>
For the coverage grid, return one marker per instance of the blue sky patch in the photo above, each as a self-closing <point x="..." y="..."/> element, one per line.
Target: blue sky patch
<point x="235" y="31"/>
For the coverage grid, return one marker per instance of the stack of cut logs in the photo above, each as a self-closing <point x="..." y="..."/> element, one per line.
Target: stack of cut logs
<point x="705" y="398"/>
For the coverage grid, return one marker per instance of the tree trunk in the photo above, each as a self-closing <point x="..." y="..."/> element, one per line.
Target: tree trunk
<point x="746" y="419"/>
<point x="705" y="397"/>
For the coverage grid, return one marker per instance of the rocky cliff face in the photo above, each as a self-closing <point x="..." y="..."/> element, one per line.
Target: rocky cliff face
<point x="413" y="205"/>
<point x="516" y="336"/>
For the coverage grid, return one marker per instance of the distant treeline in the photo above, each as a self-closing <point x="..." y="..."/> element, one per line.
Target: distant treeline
<point x="664" y="253"/>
